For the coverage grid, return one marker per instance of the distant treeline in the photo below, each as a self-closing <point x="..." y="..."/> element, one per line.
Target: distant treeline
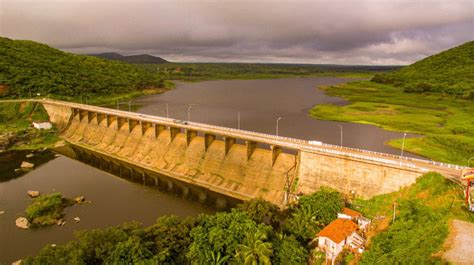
<point x="222" y="71"/>
<point x="450" y="72"/>
<point x="28" y="68"/>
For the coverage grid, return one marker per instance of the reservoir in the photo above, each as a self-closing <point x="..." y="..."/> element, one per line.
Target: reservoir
<point x="114" y="200"/>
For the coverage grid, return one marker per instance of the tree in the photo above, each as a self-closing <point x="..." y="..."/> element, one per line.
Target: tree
<point x="287" y="250"/>
<point x="313" y="212"/>
<point x="220" y="233"/>
<point x="255" y="249"/>
<point x="171" y="234"/>
<point x="261" y="211"/>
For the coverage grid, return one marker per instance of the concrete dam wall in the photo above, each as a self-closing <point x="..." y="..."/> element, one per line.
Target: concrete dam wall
<point x="235" y="163"/>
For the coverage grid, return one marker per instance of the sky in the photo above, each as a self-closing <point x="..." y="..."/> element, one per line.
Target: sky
<point x="378" y="32"/>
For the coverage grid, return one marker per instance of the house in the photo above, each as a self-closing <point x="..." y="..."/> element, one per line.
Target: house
<point x="336" y="235"/>
<point x="42" y="125"/>
<point x="355" y="216"/>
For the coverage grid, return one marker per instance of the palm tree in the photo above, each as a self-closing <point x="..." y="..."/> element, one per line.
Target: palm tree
<point x="255" y="250"/>
<point x="216" y="259"/>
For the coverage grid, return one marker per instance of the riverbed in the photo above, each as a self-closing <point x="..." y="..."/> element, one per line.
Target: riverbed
<point x="258" y="104"/>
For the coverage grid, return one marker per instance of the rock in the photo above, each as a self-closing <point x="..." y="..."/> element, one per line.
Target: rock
<point x="53" y="245"/>
<point x="61" y="222"/>
<point x="30" y="155"/>
<point x="27" y="165"/>
<point x="18" y="262"/>
<point x="33" y="193"/>
<point x="80" y="199"/>
<point x="77" y="219"/>
<point x="2" y="212"/>
<point x="22" y="223"/>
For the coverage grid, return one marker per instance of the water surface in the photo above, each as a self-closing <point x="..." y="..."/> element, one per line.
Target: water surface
<point x="260" y="103"/>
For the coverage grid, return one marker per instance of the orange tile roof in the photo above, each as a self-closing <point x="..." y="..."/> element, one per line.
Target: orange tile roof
<point x="338" y="230"/>
<point x="351" y="212"/>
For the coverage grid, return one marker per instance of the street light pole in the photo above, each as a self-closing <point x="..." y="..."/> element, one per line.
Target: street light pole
<point x="189" y="112"/>
<point x="167" y="111"/>
<point x="340" y="126"/>
<point x="238" y="120"/>
<point x="277" y="121"/>
<point x="403" y="147"/>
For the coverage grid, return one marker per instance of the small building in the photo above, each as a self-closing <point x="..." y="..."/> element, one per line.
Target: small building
<point x="42" y="125"/>
<point x="355" y="216"/>
<point x="336" y="235"/>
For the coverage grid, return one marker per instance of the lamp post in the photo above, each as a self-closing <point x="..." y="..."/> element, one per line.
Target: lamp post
<point x="340" y="127"/>
<point x="189" y="112"/>
<point x="167" y="111"/>
<point x="277" y="121"/>
<point x="238" y="120"/>
<point x="403" y="147"/>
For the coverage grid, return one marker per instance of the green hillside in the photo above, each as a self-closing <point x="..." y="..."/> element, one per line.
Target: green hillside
<point x="449" y="72"/>
<point x="28" y="67"/>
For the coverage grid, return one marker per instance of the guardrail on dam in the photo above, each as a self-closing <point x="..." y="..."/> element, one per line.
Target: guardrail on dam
<point x="237" y="163"/>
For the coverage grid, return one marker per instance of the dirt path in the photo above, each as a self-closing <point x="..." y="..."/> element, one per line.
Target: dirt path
<point x="460" y="242"/>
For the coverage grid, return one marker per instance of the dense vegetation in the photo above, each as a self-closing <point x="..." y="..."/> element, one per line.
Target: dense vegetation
<point x="257" y="232"/>
<point x="421" y="224"/>
<point x="253" y="233"/>
<point x="221" y="71"/>
<point x="446" y="123"/>
<point x="47" y="209"/>
<point x="28" y="68"/>
<point x="449" y="72"/>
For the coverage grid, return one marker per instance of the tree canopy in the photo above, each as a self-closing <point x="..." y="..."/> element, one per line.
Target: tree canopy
<point x="28" y="67"/>
<point x="450" y="72"/>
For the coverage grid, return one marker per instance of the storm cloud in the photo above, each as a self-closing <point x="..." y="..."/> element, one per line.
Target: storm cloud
<point x="340" y="32"/>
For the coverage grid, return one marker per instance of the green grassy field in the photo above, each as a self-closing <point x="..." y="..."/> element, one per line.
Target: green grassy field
<point x="447" y="123"/>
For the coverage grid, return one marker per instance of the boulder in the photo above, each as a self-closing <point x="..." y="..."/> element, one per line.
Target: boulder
<point x="27" y="165"/>
<point x="80" y="199"/>
<point x="2" y="212"/>
<point x="33" y="193"/>
<point x="77" y="219"/>
<point x="30" y="155"/>
<point x="61" y="222"/>
<point x="18" y="262"/>
<point x="22" y="222"/>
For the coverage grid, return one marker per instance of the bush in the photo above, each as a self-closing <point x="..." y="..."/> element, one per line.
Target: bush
<point x="47" y="209"/>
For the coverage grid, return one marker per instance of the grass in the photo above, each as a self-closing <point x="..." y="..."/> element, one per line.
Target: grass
<point x="447" y="123"/>
<point x="421" y="223"/>
<point x="47" y="209"/>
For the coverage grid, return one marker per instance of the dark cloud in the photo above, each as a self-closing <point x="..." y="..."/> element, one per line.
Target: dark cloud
<point x="349" y="32"/>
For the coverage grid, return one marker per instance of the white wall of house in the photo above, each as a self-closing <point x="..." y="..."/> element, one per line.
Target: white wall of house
<point x="331" y="248"/>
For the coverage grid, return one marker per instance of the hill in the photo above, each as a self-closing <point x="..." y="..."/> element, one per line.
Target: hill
<point x="28" y="68"/>
<point x="449" y="72"/>
<point x="136" y="59"/>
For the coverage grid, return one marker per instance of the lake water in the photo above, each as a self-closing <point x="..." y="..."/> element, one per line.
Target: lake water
<point x="115" y="200"/>
<point x="260" y="103"/>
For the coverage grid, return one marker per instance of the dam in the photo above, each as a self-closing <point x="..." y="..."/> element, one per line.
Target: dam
<point x="237" y="163"/>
